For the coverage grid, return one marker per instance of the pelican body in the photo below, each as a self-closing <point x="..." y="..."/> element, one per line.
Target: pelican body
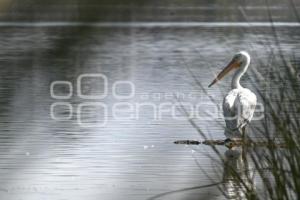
<point x="239" y="104"/>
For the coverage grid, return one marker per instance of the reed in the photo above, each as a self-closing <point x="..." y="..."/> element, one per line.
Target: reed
<point x="267" y="171"/>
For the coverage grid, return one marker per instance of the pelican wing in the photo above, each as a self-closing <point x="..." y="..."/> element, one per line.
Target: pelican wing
<point x="238" y="109"/>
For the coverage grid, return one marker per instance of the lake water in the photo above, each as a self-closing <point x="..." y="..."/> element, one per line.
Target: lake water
<point x="61" y="145"/>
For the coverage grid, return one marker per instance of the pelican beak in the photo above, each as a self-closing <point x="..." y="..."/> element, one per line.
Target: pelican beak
<point x="232" y="65"/>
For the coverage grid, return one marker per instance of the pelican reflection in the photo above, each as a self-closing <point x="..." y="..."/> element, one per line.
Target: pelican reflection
<point x="237" y="176"/>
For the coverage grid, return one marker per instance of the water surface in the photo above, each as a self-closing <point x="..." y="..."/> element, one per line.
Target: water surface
<point x="44" y="158"/>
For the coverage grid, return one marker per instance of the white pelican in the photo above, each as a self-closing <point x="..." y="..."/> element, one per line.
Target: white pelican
<point x="239" y="104"/>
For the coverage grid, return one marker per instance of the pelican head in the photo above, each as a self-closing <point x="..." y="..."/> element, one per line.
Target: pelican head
<point x="240" y="61"/>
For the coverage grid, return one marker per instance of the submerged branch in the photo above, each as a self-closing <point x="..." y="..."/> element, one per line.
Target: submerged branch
<point x="233" y="143"/>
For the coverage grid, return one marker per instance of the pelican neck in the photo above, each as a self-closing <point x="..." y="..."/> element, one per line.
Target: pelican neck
<point x="235" y="83"/>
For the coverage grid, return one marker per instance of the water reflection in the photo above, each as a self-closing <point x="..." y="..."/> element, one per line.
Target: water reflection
<point x="237" y="176"/>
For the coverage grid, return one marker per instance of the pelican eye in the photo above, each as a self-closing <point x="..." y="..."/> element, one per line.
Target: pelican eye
<point x="239" y="59"/>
